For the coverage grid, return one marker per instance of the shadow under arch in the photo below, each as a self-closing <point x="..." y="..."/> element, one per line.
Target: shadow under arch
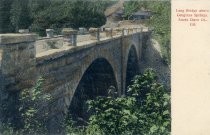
<point x="132" y="66"/>
<point x="96" y="80"/>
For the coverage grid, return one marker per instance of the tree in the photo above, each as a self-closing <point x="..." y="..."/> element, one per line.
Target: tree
<point x="20" y="15"/>
<point x="73" y="14"/>
<point x="15" y="14"/>
<point x="5" y="25"/>
<point x="32" y="111"/>
<point x="129" y="8"/>
<point x="153" y="101"/>
<point x="86" y="14"/>
<point x="146" y="109"/>
<point x="161" y="22"/>
<point x="38" y="15"/>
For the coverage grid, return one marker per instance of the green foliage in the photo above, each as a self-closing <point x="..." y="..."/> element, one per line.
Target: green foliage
<point x="7" y="130"/>
<point x="112" y="116"/>
<point x="39" y="15"/>
<point x="53" y="16"/>
<point x="130" y="7"/>
<point x="146" y="110"/>
<point x="161" y="22"/>
<point x="70" y="127"/>
<point x="33" y="109"/>
<point x="5" y="24"/>
<point x="153" y="101"/>
<point x="20" y="15"/>
<point x="73" y="14"/>
<point x="15" y="14"/>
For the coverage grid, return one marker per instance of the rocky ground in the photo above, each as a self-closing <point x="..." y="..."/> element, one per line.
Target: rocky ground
<point x="151" y="58"/>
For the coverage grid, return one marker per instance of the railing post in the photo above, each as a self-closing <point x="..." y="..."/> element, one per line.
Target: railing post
<point x="130" y="30"/>
<point x="70" y="36"/>
<point x="142" y="29"/>
<point x="82" y="30"/>
<point x="109" y="32"/>
<point x="50" y="33"/>
<point x="125" y="31"/>
<point x="94" y="34"/>
<point x="23" y="31"/>
<point x="102" y="29"/>
<point x="135" y="30"/>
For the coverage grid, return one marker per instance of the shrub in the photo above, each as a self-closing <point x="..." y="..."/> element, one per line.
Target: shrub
<point x="146" y="109"/>
<point x="33" y="109"/>
<point x="33" y="112"/>
<point x="153" y="103"/>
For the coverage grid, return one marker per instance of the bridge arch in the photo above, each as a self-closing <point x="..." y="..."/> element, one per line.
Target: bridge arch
<point x="95" y="81"/>
<point x="132" y="65"/>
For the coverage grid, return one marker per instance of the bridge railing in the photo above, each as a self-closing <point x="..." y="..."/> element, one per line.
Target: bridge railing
<point x="71" y="38"/>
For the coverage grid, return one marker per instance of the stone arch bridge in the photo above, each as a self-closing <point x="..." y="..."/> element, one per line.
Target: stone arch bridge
<point x="70" y="64"/>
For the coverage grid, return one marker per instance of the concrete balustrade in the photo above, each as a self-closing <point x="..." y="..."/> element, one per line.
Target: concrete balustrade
<point x="109" y="32"/>
<point x="135" y="30"/>
<point x="142" y="29"/>
<point x="70" y="36"/>
<point x="119" y="30"/>
<point x="138" y="29"/>
<point x="94" y="34"/>
<point x="50" y="33"/>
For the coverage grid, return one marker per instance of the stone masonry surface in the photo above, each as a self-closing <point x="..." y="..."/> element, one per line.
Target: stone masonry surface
<point x="23" y="59"/>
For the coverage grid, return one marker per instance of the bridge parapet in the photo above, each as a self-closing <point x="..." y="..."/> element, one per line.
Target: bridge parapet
<point x="57" y="43"/>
